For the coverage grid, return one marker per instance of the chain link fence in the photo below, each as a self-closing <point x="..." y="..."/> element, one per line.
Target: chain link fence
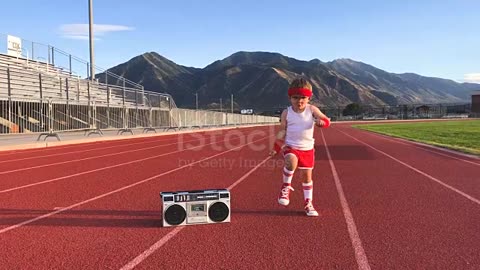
<point x="406" y="111"/>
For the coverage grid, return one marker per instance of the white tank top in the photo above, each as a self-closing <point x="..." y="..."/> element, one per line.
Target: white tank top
<point x="300" y="129"/>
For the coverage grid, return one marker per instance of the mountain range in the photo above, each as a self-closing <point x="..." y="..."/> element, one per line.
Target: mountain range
<point x="259" y="80"/>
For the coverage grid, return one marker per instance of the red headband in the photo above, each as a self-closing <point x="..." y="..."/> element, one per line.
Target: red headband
<point x="300" y="92"/>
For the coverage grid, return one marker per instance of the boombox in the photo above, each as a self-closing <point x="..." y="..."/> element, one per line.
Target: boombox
<point x="195" y="207"/>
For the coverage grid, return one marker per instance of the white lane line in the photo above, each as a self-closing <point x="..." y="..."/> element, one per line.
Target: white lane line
<point x="88" y="158"/>
<point x="82" y="151"/>
<point x="360" y="255"/>
<point x="412" y="143"/>
<point x="100" y="169"/>
<point x="140" y="258"/>
<point x="60" y="147"/>
<point x="418" y="171"/>
<point x="18" y="225"/>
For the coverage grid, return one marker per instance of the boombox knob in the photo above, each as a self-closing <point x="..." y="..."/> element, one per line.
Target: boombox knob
<point x="218" y="212"/>
<point x="175" y="215"/>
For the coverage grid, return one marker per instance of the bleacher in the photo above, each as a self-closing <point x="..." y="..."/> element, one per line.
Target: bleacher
<point x="36" y="96"/>
<point x="34" y="79"/>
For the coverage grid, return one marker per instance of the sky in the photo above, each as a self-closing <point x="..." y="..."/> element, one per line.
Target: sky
<point x="432" y="38"/>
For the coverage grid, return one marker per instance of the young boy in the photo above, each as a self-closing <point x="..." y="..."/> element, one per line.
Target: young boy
<point x="295" y="140"/>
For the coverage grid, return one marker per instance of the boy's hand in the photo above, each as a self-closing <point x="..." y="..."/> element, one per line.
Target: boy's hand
<point x="272" y="153"/>
<point x="277" y="147"/>
<point x="323" y="122"/>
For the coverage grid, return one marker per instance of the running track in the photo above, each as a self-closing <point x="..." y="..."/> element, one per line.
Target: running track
<point x="384" y="204"/>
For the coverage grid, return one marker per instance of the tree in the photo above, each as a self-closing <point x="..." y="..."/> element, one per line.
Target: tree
<point x="352" y="109"/>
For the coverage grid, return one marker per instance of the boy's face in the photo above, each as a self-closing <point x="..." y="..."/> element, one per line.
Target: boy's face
<point x="299" y="102"/>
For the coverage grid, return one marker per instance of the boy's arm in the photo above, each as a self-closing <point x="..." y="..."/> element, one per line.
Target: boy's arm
<point x="321" y="119"/>
<point x="280" y="137"/>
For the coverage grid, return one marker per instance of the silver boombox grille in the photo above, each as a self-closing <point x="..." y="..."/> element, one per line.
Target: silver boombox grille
<point x="195" y="207"/>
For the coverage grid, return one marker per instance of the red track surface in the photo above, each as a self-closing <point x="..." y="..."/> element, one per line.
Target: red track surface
<point x="384" y="204"/>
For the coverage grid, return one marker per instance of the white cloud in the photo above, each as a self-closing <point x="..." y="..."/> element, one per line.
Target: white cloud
<point x="76" y="37"/>
<point x="472" y="77"/>
<point x="80" y="31"/>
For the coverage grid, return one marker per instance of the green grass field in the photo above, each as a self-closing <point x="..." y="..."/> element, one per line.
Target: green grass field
<point x="463" y="136"/>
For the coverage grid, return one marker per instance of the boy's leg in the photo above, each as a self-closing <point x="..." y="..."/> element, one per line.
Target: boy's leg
<point x="307" y="184"/>
<point x="291" y="162"/>
<point x="290" y="166"/>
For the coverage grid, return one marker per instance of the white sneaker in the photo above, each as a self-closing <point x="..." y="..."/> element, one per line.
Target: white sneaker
<point x="284" y="197"/>
<point x="309" y="210"/>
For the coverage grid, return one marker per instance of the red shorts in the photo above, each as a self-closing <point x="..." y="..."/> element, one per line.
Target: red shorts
<point x="306" y="158"/>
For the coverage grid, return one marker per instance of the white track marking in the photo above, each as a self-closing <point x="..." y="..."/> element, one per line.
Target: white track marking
<point x="60" y="147"/>
<point x="88" y="158"/>
<point x="360" y="255"/>
<point x="83" y="151"/>
<point x="99" y="169"/>
<point x="418" y="171"/>
<point x="18" y="225"/>
<point x="140" y="258"/>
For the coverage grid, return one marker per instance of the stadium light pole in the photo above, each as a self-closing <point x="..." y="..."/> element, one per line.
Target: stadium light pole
<point x="90" y="38"/>
<point x="196" y="100"/>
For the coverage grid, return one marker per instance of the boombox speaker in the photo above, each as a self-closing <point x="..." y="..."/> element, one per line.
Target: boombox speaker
<point x="195" y="207"/>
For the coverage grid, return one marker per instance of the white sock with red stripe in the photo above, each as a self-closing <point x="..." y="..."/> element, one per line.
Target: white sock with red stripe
<point x="287" y="176"/>
<point x="308" y="191"/>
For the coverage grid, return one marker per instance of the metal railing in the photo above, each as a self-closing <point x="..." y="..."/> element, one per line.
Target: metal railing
<point x="50" y="58"/>
<point x="49" y="116"/>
